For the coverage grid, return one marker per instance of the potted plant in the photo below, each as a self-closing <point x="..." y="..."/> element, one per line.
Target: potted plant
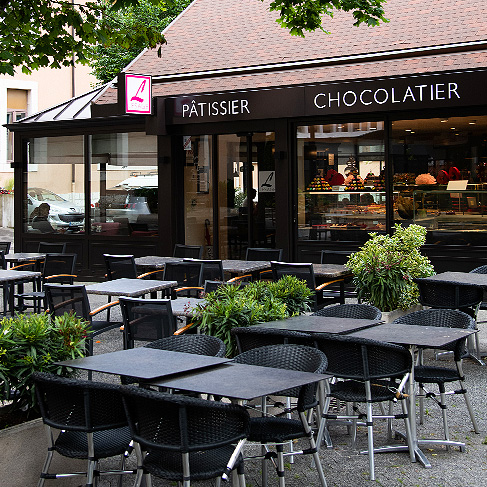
<point x="31" y="343"/>
<point x="261" y="301"/>
<point x="385" y="266"/>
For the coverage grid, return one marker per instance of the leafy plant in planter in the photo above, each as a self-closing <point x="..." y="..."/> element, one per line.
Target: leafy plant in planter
<point x="385" y="266"/>
<point x="31" y="343"/>
<point x="261" y="301"/>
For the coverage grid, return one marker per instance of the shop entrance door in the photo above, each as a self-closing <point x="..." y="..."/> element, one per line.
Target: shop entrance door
<point x="246" y="193"/>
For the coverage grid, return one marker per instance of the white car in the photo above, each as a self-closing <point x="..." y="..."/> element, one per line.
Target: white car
<point x="62" y="213"/>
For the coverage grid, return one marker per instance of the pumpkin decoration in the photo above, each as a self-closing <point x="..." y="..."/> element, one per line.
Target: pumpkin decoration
<point x="454" y="174"/>
<point x="443" y="177"/>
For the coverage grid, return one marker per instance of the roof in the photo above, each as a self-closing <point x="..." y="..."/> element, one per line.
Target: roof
<point x="75" y="108"/>
<point x="243" y="41"/>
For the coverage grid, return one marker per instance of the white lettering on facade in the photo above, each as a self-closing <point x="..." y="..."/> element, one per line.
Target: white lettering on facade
<point x="379" y="96"/>
<point x="215" y="108"/>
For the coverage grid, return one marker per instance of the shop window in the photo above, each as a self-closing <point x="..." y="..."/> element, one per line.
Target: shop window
<point x="54" y="202"/>
<point x="341" y="181"/>
<point x="440" y="177"/>
<point x="198" y="193"/>
<point x="124" y="184"/>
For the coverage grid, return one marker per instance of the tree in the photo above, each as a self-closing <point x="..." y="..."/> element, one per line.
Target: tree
<point x="55" y="33"/>
<point x="109" y="60"/>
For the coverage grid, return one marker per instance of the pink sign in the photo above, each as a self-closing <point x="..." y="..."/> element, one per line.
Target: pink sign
<point x="138" y="94"/>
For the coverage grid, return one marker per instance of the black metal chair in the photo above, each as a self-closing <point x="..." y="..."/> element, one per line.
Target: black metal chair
<point x="279" y="430"/>
<point x="371" y="372"/>
<point x="5" y="247"/>
<point x="212" y="269"/>
<point x="66" y="298"/>
<point x="51" y="247"/>
<point x="306" y="273"/>
<point x="250" y="337"/>
<point x="263" y="254"/>
<point x="184" y="439"/>
<point x="352" y="310"/>
<point x="92" y="423"/>
<point x="452" y="295"/>
<point x="185" y="251"/>
<point x="423" y="374"/>
<point x="339" y="257"/>
<point x="146" y="320"/>
<point x="189" y="276"/>
<point x="483" y="305"/>
<point x="123" y="266"/>
<point x="57" y="268"/>
<point x="197" y="344"/>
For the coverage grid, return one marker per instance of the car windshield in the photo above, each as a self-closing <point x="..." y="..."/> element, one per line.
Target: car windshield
<point x="44" y="195"/>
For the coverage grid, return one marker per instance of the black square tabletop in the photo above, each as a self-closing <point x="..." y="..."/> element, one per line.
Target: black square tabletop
<point x="331" y="271"/>
<point x="7" y="275"/>
<point x="239" y="381"/>
<point x="461" y="278"/>
<point x="320" y="324"/>
<point x="421" y="336"/>
<point x="143" y="363"/>
<point x="150" y="262"/>
<point x="24" y="256"/>
<point x="129" y="287"/>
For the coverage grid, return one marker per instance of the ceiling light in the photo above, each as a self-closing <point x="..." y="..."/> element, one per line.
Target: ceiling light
<point x="473" y="122"/>
<point x="444" y="120"/>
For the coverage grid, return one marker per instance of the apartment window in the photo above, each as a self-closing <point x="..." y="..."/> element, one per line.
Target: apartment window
<point x="12" y="116"/>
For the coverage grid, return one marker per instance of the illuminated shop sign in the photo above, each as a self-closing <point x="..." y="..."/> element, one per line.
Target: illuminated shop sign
<point x="374" y="95"/>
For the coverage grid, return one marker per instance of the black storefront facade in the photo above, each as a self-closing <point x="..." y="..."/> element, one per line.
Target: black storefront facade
<point x="302" y="168"/>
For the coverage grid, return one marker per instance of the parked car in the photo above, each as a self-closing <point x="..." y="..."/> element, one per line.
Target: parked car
<point x="62" y="213"/>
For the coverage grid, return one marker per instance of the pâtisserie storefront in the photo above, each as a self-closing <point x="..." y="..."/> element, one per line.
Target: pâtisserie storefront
<point x="303" y="168"/>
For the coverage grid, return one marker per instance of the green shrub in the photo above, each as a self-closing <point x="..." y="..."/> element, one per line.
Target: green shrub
<point x="261" y="301"/>
<point x="385" y="266"/>
<point x="30" y="343"/>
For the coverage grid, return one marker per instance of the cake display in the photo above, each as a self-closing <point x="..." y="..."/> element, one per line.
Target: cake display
<point x="319" y="183"/>
<point x="354" y="182"/>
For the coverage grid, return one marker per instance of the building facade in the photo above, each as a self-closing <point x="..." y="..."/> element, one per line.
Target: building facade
<point x="257" y="138"/>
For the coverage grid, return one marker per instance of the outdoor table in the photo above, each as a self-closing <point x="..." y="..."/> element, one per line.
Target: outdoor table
<point x="240" y="382"/>
<point x="143" y="363"/>
<point x="416" y="336"/>
<point x="319" y="324"/>
<point x="328" y="272"/>
<point x="461" y="278"/>
<point x="233" y="267"/>
<point x="10" y="278"/>
<point x="23" y="257"/>
<point x="132" y="288"/>
<point x="182" y="306"/>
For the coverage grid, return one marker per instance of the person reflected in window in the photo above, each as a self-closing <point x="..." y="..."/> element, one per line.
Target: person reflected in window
<point x="40" y="219"/>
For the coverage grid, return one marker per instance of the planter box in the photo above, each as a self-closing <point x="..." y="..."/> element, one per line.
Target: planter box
<point x="24" y="449"/>
<point x="7" y="210"/>
<point x="390" y="316"/>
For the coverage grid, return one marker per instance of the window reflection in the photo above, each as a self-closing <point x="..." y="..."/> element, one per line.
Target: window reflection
<point x="124" y="184"/>
<point x="54" y="202"/>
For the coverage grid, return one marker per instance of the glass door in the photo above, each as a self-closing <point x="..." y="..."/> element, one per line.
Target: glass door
<point x="246" y="193"/>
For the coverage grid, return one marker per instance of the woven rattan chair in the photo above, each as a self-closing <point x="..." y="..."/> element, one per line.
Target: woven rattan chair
<point x="250" y="337"/>
<point x="146" y="320"/>
<point x="353" y="310"/>
<point x="440" y="376"/>
<point x="370" y="371"/>
<point x="57" y="268"/>
<point x="279" y="430"/>
<point x="197" y="344"/>
<point x="66" y="298"/>
<point x="452" y="295"/>
<point x="185" y="439"/>
<point x="185" y="251"/>
<point x="92" y="423"/>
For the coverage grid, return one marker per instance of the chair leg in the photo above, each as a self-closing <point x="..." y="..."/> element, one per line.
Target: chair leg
<point x="90" y="473"/>
<point x="370" y="431"/>
<point x="50" y="453"/>
<point x="280" y="465"/>
<point x="313" y="447"/>
<point x="444" y="413"/>
<point x="407" y="425"/>
<point x="467" y="396"/>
